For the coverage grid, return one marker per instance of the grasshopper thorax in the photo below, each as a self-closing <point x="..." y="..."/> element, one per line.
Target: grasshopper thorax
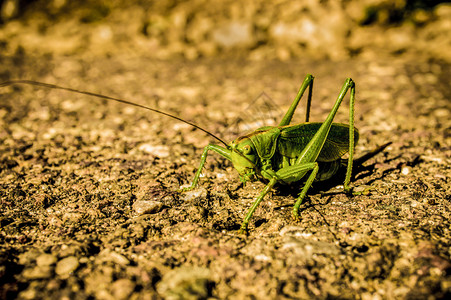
<point x="244" y="158"/>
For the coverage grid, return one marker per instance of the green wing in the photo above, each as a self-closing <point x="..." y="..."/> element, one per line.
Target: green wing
<point x="294" y="138"/>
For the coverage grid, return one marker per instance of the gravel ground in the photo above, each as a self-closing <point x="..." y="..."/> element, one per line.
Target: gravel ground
<point x="89" y="199"/>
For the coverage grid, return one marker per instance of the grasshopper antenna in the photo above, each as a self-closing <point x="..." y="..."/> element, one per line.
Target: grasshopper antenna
<point x="53" y="86"/>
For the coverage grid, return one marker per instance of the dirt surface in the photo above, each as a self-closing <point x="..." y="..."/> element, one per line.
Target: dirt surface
<point x="89" y="201"/>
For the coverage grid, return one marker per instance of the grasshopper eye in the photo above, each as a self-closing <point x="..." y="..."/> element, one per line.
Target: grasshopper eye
<point x="247" y="149"/>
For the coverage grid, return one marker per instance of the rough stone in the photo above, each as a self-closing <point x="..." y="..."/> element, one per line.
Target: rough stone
<point x="147" y="206"/>
<point x="46" y="259"/>
<point x="66" y="266"/>
<point x="122" y="289"/>
<point x="186" y="283"/>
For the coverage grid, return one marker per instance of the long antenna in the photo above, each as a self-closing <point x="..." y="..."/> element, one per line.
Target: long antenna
<point x="53" y="86"/>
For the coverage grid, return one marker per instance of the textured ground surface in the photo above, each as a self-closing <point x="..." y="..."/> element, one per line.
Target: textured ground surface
<point x="88" y="187"/>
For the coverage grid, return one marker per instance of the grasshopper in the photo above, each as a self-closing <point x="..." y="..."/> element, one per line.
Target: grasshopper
<point x="282" y="154"/>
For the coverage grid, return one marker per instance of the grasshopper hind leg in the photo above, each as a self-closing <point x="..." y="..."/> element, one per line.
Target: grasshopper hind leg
<point x="308" y="82"/>
<point x="346" y="186"/>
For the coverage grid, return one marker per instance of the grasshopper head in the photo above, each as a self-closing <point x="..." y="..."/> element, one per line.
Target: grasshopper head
<point x="244" y="158"/>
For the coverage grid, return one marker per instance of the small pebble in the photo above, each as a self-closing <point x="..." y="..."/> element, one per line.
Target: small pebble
<point x="157" y="150"/>
<point x="29" y="293"/>
<point x="38" y="272"/>
<point x="66" y="266"/>
<point x="119" y="259"/>
<point x="147" y="206"/>
<point x="122" y="288"/>
<point x="107" y="255"/>
<point x="185" y="283"/>
<point x="45" y="259"/>
<point x="405" y="170"/>
<point x="194" y="194"/>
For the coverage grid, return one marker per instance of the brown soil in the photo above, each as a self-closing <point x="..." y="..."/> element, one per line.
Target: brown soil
<point x="89" y="198"/>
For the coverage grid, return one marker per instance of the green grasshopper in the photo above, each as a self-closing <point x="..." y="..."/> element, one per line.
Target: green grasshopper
<point x="286" y="153"/>
<point x="282" y="154"/>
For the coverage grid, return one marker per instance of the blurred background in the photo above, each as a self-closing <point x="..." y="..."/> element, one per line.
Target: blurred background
<point x="256" y="29"/>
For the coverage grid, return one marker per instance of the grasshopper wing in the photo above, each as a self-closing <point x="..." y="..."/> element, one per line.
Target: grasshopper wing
<point x="336" y="145"/>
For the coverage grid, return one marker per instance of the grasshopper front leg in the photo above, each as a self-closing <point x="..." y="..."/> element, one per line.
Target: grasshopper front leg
<point x="218" y="149"/>
<point x="266" y="190"/>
